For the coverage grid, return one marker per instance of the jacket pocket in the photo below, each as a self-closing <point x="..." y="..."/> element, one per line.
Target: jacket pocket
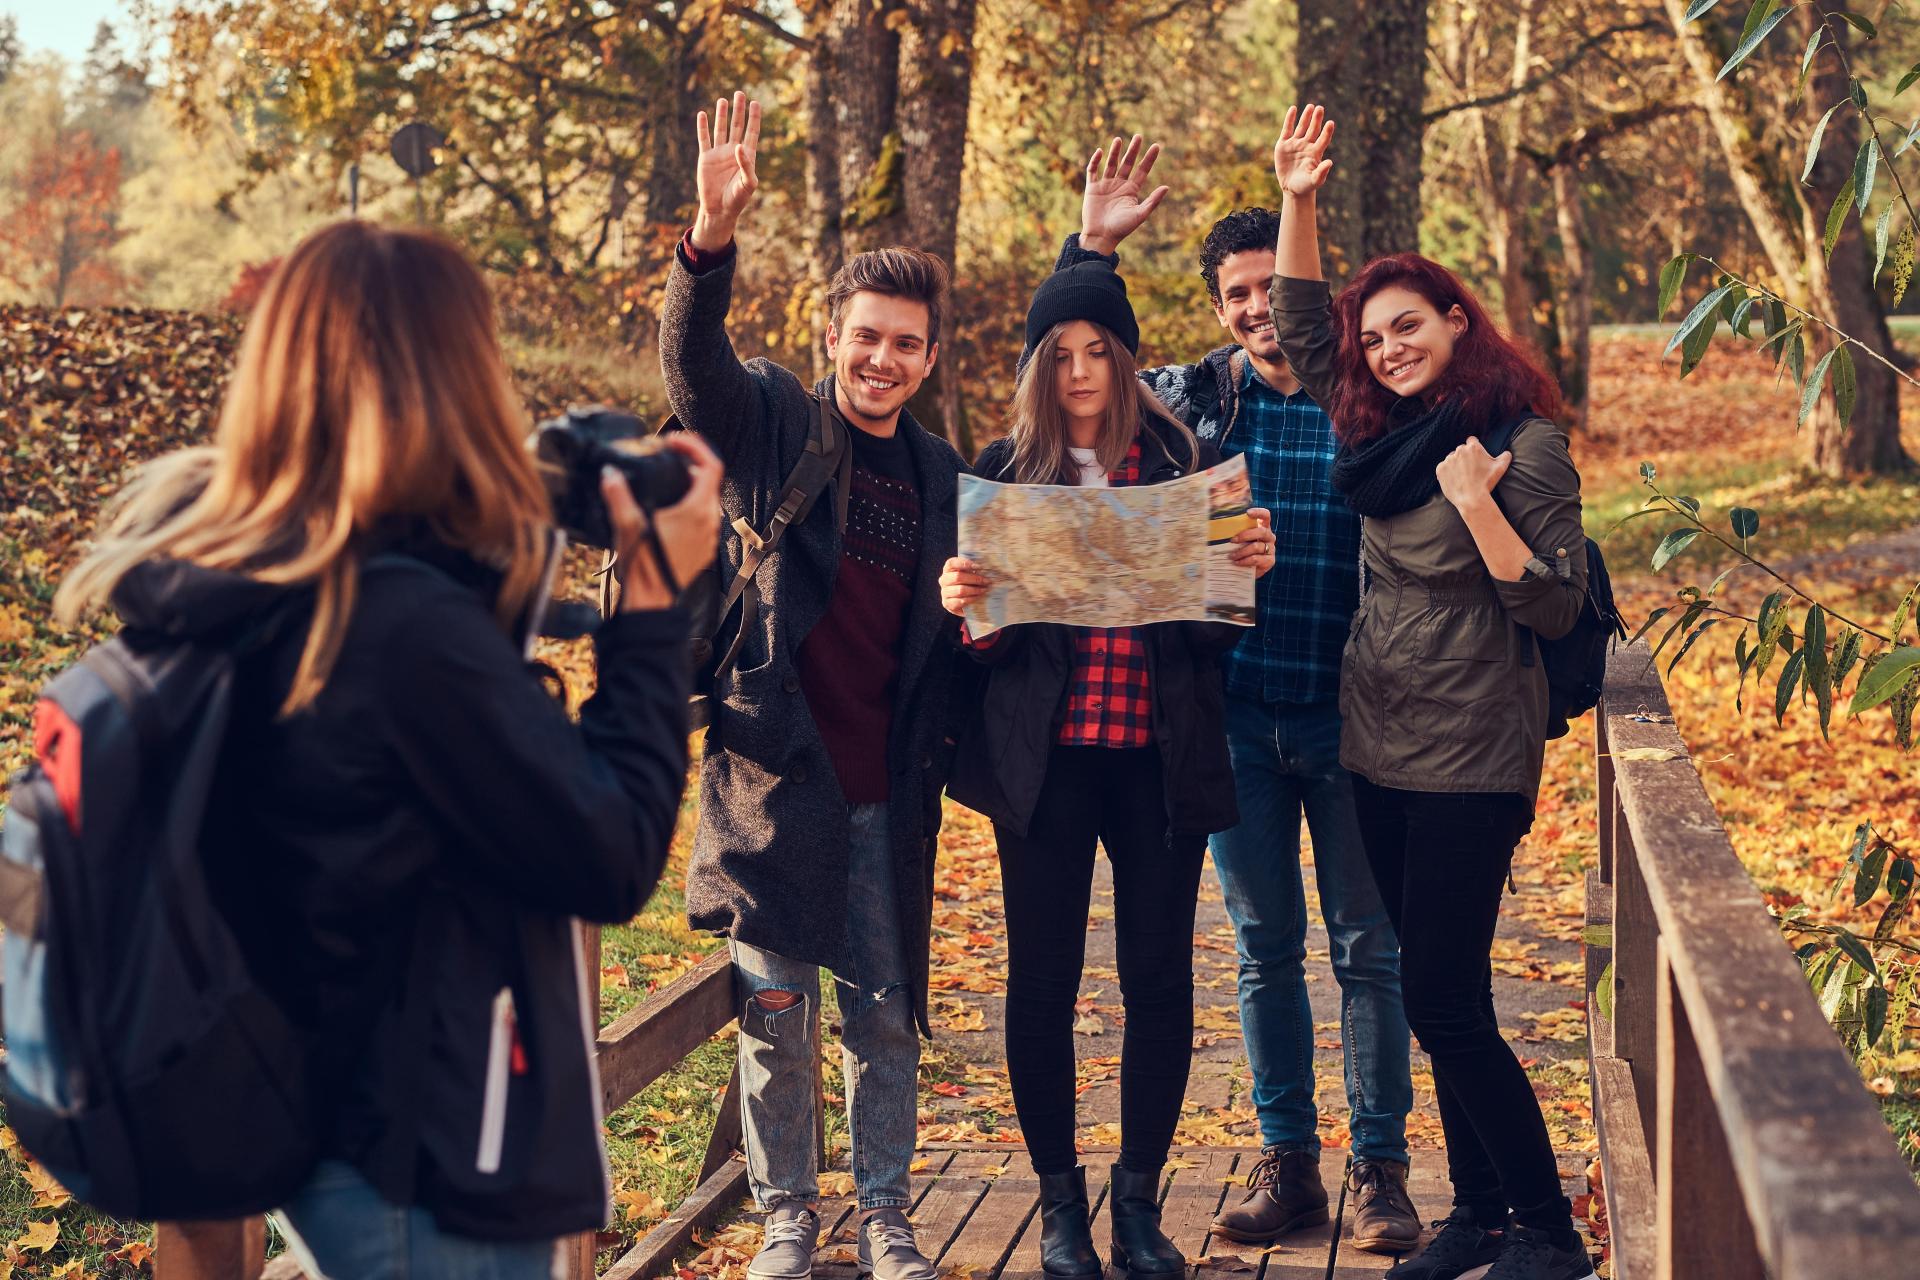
<point x="493" y="1103"/>
<point x="1350" y="662"/>
<point x="1458" y="684"/>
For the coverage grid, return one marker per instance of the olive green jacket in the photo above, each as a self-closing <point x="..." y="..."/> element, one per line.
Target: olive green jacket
<point x="1441" y="684"/>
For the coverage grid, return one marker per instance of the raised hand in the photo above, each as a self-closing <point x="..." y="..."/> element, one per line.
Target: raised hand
<point x="1111" y="210"/>
<point x="725" y="176"/>
<point x="1300" y="156"/>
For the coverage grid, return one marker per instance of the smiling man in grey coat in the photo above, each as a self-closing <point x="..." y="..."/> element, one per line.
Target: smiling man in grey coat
<point x="820" y="784"/>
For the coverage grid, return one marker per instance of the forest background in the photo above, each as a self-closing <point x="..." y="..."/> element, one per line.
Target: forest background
<point x="1558" y="155"/>
<point x="1554" y="153"/>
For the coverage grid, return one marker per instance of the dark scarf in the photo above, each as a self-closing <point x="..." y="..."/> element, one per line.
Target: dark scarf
<point x="1395" y="472"/>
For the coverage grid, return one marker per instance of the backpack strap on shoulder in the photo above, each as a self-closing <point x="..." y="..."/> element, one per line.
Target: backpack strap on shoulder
<point x="827" y="458"/>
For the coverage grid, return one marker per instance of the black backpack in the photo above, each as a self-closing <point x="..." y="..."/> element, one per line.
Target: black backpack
<point x="722" y="618"/>
<point x="145" y="1069"/>
<point x="1576" y="663"/>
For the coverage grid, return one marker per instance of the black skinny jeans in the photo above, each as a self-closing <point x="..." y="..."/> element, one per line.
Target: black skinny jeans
<point x="1114" y="795"/>
<point x="1441" y="862"/>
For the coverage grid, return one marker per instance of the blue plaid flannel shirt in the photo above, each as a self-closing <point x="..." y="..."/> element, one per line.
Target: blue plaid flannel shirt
<point x="1305" y="604"/>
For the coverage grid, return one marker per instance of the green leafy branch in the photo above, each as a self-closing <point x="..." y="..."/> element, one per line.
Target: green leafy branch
<point x="1737" y="300"/>
<point x="1818" y="656"/>
<point x="1864" y="986"/>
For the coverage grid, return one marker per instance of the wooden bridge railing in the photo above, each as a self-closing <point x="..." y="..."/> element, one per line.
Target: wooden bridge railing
<point x="1736" y="1138"/>
<point x="634" y="1051"/>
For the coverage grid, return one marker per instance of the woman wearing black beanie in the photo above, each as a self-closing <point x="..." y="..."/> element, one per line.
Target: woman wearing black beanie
<point x="1107" y="735"/>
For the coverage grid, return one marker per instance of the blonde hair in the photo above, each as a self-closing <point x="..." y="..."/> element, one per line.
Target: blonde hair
<point x="369" y="385"/>
<point x="1039" y="430"/>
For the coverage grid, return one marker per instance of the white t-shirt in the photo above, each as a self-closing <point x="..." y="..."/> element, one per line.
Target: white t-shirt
<point x="1092" y="476"/>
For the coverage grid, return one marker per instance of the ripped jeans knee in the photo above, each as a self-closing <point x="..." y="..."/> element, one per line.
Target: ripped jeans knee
<point x="774" y="1014"/>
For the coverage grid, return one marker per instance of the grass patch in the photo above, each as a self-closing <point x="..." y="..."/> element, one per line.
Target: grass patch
<point x="1800" y="513"/>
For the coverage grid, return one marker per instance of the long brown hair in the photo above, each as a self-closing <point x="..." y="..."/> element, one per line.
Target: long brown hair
<point x="1039" y="430"/>
<point x="369" y="385"/>
<point x="1492" y="377"/>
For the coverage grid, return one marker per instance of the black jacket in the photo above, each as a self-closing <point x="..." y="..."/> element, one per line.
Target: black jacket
<point x="1005" y="744"/>
<point x="770" y="855"/>
<point x="402" y="861"/>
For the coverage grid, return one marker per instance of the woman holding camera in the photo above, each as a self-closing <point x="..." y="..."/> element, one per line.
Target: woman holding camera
<point x="410" y="822"/>
<point x="1087" y="735"/>
<point x="1466" y="559"/>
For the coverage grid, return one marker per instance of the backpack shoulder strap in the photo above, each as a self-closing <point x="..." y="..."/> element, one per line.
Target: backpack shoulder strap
<point x="1501" y="438"/>
<point x="827" y="458"/>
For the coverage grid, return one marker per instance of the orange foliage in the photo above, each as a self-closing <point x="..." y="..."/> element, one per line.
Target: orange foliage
<point x="55" y="239"/>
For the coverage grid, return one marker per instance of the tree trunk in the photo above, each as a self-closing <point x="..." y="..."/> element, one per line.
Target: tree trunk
<point x="866" y="89"/>
<point x="936" y="87"/>
<point x="823" y="183"/>
<point x="1790" y="220"/>
<point x="1870" y="443"/>
<point x="1575" y="347"/>
<point x="887" y="133"/>
<point x="669" y="193"/>
<point x="1365" y="61"/>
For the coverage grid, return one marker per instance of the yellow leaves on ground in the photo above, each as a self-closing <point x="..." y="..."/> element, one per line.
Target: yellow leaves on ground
<point x="39" y="1235"/>
<point x="836" y="1184"/>
<point x="47" y="1191"/>
<point x="1556" y="1024"/>
<point x="639" y="1207"/>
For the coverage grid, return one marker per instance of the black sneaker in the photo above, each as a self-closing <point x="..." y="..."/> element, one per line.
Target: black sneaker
<point x="1460" y="1247"/>
<point x="1530" y="1254"/>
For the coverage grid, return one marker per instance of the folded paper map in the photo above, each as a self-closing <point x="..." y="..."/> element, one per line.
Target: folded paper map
<point x="1108" y="557"/>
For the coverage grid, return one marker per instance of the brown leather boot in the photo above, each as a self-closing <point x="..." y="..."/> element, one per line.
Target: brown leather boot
<point x="1383" y="1216"/>
<point x="1285" y="1193"/>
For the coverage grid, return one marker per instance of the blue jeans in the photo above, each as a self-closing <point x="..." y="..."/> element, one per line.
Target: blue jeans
<point x="340" y="1228"/>
<point x="879" y="1044"/>
<point x="1286" y="761"/>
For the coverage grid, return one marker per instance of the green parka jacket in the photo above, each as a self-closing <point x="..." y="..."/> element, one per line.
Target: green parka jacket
<point x="1441" y="684"/>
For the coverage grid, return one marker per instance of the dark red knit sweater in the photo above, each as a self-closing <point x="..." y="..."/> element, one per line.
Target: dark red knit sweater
<point x="850" y="661"/>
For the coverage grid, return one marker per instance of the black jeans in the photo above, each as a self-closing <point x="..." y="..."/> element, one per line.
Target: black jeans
<point x="1441" y="862"/>
<point x="1114" y="795"/>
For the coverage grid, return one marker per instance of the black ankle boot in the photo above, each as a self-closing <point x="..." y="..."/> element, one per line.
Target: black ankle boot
<point x="1066" y="1239"/>
<point x="1140" y="1248"/>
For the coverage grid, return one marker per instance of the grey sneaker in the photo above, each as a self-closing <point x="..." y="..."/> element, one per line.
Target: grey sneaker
<point x="888" y="1251"/>
<point x="786" y="1250"/>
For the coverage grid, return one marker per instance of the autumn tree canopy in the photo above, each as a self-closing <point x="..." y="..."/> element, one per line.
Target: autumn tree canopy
<point x="56" y="235"/>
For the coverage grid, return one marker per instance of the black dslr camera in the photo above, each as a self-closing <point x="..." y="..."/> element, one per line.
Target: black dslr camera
<point x="570" y="453"/>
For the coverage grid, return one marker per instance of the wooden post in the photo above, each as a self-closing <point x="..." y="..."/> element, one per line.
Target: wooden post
<point x="578" y="1253"/>
<point x="231" y="1249"/>
<point x="819" y="1090"/>
<point x="1636" y="933"/>
<point x="1603" y="790"/>
<point x="726" y="1137"/>
<point x="1703" y="1229"/>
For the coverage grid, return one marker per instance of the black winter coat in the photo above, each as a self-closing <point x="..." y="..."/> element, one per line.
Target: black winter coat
<point x="1005" y="744"/>
<point x="770" y="856"/>
<point x="402" y="863"/>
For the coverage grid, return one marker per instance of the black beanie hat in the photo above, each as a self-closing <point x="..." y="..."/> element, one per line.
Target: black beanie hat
<point x="1084" y="291"/>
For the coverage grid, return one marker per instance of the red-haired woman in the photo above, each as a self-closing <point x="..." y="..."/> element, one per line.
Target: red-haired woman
<point x="1466" y="559"/>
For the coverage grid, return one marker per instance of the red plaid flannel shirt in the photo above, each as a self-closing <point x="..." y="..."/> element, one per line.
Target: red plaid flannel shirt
<point x="1108" y="702"/>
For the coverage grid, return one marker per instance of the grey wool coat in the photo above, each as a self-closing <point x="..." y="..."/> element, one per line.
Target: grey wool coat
<point x="770" y="855"/>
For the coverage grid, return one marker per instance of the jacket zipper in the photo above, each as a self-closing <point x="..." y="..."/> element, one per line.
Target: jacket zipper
<point x="493" y="1104"/>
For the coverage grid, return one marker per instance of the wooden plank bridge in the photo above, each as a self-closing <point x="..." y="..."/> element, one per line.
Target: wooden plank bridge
<point x="1737" y="1140"/>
